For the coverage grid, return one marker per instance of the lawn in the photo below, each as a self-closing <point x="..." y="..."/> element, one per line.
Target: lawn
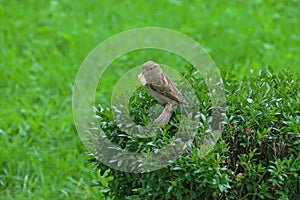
<point x="43" y="44"/>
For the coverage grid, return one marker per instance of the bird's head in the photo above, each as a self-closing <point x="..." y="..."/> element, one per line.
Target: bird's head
<point x="150" y="70"/>
<point x="151" y="67"/>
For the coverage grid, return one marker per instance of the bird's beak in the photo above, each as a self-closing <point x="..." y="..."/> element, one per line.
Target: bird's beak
<point x="142" y="79"/>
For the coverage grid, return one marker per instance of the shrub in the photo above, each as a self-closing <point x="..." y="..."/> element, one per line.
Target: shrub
<point x="257" y="157"/>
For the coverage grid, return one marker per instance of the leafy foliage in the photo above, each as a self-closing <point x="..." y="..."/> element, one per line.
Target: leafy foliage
<point x="258" y="155"/>
<point x="43" y="44"/>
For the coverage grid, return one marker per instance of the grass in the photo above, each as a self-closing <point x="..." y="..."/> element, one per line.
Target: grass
<point x="44" y="42"/>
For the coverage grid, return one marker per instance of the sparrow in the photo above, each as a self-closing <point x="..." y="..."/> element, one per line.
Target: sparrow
<point x="162" y="88"/>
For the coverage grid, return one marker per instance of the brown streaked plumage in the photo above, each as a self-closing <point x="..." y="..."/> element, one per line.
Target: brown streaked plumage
<point x="162" y="88"/>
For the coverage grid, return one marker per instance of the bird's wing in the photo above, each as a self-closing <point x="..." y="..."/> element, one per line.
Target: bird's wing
<point x="166" y="87"/>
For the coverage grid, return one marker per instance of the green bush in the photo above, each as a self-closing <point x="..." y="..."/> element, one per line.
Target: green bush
<point x="257" y="157"/>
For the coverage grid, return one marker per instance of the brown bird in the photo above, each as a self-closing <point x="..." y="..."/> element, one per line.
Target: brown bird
<point x="162" y="88"/>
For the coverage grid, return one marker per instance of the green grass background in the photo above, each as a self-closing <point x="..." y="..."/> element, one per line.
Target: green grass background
<point x="43" y="43"/>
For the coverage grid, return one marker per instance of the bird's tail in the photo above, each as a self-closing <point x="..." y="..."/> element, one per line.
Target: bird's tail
<point x="165" y="115"/>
